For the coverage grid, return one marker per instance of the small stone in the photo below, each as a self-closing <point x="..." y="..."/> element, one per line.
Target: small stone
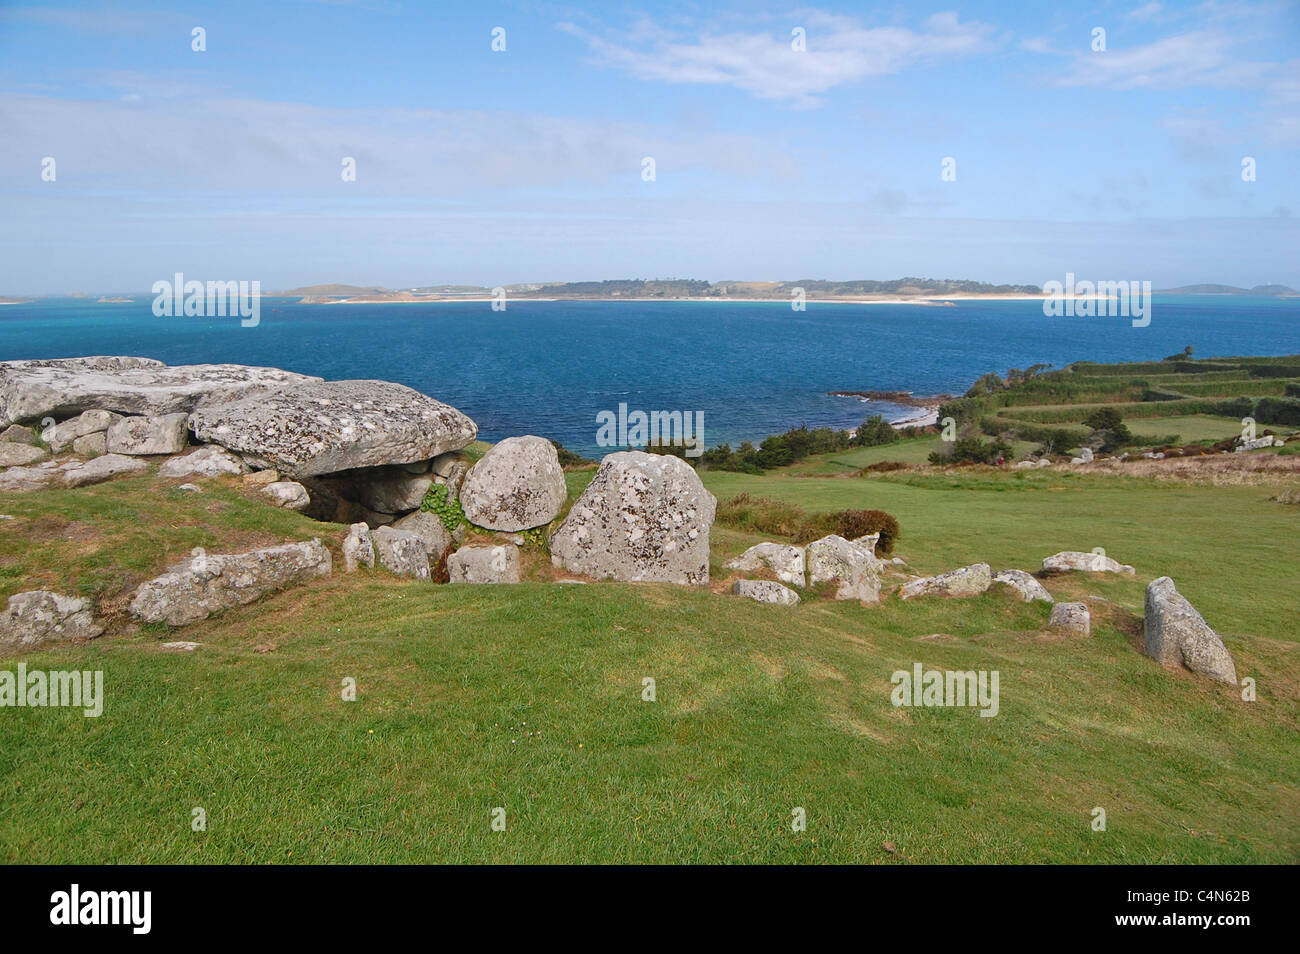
<point x="1071" y="618"/>
<point x="1024" y="585"/>
<point x="765" y="591"/>
<point x="498" y="564"/>
<point x="358" y="548"/>
<point x="288" y="494"/>
<point x="91" y="445"/>
<point x="21" y="455"/>
<point x="786" y="562"/>
<point x="146" y="435"/>
<point x="38" y="616"/>
<point x="967" y="581"/>
<point x="401" y="552"/>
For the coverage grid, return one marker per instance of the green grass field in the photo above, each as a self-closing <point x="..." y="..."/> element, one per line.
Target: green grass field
<point x="529" y="697"/>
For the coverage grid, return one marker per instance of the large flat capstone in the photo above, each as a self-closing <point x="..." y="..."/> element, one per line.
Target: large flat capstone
<point x="319" y="427"/>
<point x="63" y="387"/>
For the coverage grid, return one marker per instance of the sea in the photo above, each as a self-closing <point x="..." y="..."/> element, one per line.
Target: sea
<point x="749" y="368"/>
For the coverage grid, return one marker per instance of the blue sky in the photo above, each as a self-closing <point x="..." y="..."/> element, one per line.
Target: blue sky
<point x="486" y="167"/>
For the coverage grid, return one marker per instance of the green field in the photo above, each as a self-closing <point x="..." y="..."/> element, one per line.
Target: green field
<point x="759" y="709"/>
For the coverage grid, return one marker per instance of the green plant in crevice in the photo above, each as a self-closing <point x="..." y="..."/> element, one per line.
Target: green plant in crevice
<point x="438" y="501"/>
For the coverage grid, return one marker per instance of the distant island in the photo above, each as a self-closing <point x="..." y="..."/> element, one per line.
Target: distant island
<point x="920" y="290"/>
<point x="1277" y="291"/>
<point x="924" y="291"/>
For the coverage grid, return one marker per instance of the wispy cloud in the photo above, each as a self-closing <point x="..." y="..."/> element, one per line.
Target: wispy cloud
<point x="839" y="51"/>
<point x="254" y="146"/>
<point x="1201" y="58"/>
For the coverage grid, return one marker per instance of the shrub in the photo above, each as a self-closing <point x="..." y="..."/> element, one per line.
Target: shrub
<point x="851" y="524"/>
<point x="569" y="459"/>
<point x="971" y="450"/>
<point x="874" y="431"/>
<point x="1271" y="410"/>
<point x="882" y="466"/>
<point x="761" y="515"/>
<point x="1109" y="431"/>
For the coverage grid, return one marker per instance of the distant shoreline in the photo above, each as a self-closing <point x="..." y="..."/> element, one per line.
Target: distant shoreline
<point x="932" y="300"/>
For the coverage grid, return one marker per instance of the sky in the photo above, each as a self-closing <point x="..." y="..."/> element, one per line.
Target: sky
<point x="1113" y="155"/>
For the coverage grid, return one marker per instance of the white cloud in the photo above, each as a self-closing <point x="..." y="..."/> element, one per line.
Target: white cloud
<point x="839" y="51"/>
<point x="251" y="147"/>
<point x="1198" y="58"/>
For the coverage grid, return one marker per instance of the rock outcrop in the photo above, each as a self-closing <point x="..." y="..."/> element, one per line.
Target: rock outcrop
<point x="766" y="591"/>
<point x="1175" y="634"/>
<point x="786" y="562"/>
<point x="1025" y="586"/>
<point x="517" y="485"/>
<point x="209" y="583"/>
<point x="321" y="427"/>
<point x="966" y="581"/>
<point x="644" y="517"/>
<point x="39" y="616"/>
<point x="854" y="570"/>
<point x="499" y="564"/>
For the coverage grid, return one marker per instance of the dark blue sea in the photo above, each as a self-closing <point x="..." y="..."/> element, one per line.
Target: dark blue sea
<point x="753" y="369"/>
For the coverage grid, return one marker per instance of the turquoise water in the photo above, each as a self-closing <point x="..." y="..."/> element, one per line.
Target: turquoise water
<point x="752" y="368"/>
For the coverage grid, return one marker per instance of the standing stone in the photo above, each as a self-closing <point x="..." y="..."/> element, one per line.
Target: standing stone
<point x="1024" y="585"/>
<point x="147" y="435"/>
<point x="1176" y="634"/>
<point x="358" y="549"/>
<point x="518" y="485"/>
<point x="644" y="518"/>
<point x="209" y="583"/>
<point x="766" y="591"/>
<point x="967" y="581"/>
<point x="401" y="552"/>
<point x="34" y="617"/>
<point x="787" y="562"/>
<point x="62" y="436"/>
<point x="499" y="564"/>
<point x="1071" y="618"/>
<point x="856" y="572"/>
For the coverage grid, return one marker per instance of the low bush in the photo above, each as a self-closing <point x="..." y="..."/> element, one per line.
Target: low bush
<point x="761" y="515"/>
<point x="851" y="524"/>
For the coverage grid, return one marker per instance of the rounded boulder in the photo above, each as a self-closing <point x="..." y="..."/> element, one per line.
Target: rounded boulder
<point x="518" y="485"/>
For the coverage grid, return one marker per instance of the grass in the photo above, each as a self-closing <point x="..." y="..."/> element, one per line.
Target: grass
<point x="759" y="709"/>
